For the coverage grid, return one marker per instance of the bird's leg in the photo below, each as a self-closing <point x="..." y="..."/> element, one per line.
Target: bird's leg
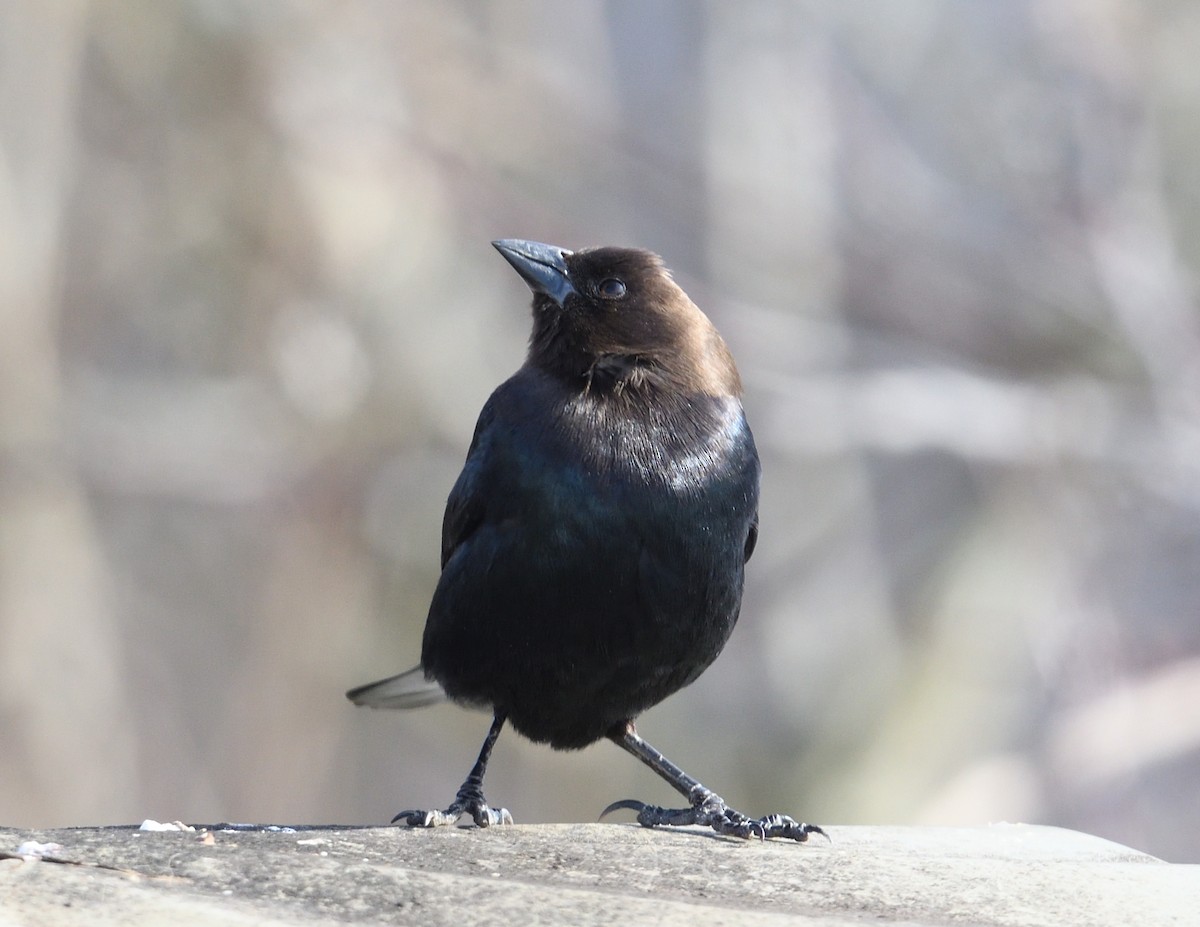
<point x="707" y="808"/>
<point x="469" y="799"/>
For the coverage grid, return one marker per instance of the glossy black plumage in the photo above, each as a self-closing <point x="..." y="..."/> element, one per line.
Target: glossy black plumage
<point x="593" y="548"/>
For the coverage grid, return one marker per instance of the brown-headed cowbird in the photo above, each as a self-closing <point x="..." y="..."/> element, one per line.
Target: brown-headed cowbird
<point x="593" y="548"/>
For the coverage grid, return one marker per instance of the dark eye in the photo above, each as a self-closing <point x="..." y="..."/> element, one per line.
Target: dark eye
<point x="612" y="288"/>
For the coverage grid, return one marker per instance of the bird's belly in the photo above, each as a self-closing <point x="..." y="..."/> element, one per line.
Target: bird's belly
<point x="576" y="623"/>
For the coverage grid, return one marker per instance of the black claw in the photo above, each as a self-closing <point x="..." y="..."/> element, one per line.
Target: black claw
<point x="429" y="818"/>
<point x="480" y="812"/>
<point x="469" y="799"/>
<point x="631" y="803"/>
<point x="708" y="810"/>
<point x="486" y="817"/>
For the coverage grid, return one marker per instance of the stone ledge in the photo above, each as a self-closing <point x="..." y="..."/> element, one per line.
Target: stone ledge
<point x="584" y="874"/>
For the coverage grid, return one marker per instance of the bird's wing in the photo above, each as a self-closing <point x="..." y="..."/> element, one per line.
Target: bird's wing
<point x="466" y="507"/>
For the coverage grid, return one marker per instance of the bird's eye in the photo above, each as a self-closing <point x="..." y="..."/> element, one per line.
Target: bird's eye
<point x="612" y="288"/>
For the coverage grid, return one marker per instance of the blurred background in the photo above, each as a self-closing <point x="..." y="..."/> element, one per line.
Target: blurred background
<point x="250" y="313"/>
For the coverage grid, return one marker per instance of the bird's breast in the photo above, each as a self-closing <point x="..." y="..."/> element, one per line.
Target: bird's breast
<point x="686" y="447"/>
<point x="684" y="487"/>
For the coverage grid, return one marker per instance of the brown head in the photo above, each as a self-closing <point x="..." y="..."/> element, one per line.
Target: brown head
<point x="612" y="320"/>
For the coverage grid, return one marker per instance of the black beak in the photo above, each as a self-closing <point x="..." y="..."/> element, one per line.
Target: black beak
<point x="541" y="266"/>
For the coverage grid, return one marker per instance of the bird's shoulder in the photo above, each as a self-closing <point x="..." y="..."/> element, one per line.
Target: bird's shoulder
<point x="511" y="430"/>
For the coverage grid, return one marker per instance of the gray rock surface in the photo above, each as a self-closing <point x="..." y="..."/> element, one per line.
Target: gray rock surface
<point x="581" y="875"/>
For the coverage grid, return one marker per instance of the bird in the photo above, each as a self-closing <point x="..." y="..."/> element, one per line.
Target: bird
<point x="594" y="545"/>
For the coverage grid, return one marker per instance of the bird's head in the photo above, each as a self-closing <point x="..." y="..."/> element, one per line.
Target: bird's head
<point x="612" y="319"/>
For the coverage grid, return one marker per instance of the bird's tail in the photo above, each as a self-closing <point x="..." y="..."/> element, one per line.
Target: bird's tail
<point x="408" y="690"/>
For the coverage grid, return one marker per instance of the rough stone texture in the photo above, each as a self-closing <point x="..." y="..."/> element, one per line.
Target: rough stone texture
<point x="588" y="874"/>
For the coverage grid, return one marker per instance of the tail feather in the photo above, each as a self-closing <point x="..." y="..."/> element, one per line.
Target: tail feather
<point x="408" y="690"/>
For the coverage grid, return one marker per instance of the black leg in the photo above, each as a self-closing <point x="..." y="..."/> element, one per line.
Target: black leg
<point x="707" y="808"/>
<point x="469" y="799"/>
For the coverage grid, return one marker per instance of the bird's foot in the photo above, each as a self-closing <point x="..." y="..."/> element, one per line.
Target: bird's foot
<point x="468" y="801"/>
<point x="708" y="809"/>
